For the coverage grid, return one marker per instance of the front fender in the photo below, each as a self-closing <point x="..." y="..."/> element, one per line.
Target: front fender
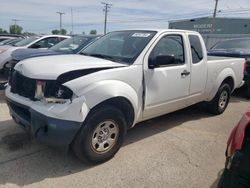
<point x="100" y="91"/>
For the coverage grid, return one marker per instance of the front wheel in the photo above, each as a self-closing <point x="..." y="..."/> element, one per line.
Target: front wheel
<point x="219" y="103"/>
<point x="101" y="135"/>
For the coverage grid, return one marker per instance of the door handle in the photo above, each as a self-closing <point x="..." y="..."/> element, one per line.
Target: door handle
<point x="185" y="73"/>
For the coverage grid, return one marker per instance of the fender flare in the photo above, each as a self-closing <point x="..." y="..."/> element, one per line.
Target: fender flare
<point x="223" y="75"/>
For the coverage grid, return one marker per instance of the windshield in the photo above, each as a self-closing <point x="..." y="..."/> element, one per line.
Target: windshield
<point x="5" y="41"/>
<point x="120" y="46"/>
<point x="73" y="44"/>
<point x="234" y="44"/>
<point x="27" y="41"/>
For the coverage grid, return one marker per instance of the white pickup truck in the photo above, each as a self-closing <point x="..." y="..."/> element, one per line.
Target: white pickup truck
<point x="89" y="101"/>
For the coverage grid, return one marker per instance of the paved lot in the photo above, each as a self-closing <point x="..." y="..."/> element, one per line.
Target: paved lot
<point x="182" y="149"/>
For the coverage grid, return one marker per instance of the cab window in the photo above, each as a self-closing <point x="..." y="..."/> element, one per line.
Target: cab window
<point x="196" y="48"/>
<point x="170" y="45"/>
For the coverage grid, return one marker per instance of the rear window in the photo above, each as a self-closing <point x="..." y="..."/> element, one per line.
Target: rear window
<point x="196" y="49"/>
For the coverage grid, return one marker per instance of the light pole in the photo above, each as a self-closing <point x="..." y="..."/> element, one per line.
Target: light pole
<point x="60" y="14"/>
<point x="106" y="10"/>
<point x="215" y="8"/>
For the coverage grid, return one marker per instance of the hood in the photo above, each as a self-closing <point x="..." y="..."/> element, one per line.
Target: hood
<point x="242" y="53"/>
<point x="50" y="67"/>
<point x="21" y="54"/>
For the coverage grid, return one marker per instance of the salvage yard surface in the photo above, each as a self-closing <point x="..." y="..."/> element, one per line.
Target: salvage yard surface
<point x="181" y="149"/>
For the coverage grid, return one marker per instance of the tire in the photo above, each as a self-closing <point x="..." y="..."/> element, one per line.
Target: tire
<point x="219" y="103"/>
<point x="101" y="135"/>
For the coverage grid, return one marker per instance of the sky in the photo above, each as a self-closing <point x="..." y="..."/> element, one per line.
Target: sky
<point x="41" y="17"/>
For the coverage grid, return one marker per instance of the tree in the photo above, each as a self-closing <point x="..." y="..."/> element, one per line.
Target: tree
<point x="63" y="32"/>
<point x="15" y="29"/>
<point x="83" y="32"/>
<point x="3" y="31"/>
<point x="93" y="32"/>
<point x="58" y="32"/>
<point x="55" y="32"/>
<point x="28" y="33"/>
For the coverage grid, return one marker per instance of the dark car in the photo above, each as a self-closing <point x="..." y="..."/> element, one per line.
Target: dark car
<point x="73" y="45"/>
<point x="10" y="41"/>
<point x="237" y="168"/>
<point x="235" y="48"/>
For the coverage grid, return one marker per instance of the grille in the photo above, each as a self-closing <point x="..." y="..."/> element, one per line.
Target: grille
<point x="22" y="85"/>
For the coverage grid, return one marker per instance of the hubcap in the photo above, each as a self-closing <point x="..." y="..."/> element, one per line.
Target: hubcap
<point x="223" y="99"/>
<point x="105" y="136"/>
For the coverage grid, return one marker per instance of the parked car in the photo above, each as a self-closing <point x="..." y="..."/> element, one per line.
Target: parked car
<point x="235" y="48"/>
<point x="3" y="38"/>
<point x="35" y="42"/>
<point x="10" y="41"/>
<point x="73" y="45"/>
<point x="237" y="168"/>
<point x="89" y="101"/>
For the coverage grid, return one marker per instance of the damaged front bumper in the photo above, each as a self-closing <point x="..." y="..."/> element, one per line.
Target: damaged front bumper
<point x="52" y="124"/>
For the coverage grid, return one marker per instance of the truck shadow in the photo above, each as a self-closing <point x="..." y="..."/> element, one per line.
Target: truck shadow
<point x="28" y="162"/>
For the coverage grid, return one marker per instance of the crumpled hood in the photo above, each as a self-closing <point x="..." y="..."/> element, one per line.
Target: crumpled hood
<point x="50" y="67"/>
<point x="21" y="54"/>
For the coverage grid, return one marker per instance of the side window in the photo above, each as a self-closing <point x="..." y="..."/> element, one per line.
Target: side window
<point x="171" y="46"/>
<point x="46" y="43"/>
<point x="196" y="48"/>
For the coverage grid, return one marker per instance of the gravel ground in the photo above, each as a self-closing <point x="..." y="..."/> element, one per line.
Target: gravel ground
<point x="182" y="149"/>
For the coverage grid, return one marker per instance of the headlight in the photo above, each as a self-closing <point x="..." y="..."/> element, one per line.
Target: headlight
<point x="50" y="92"/>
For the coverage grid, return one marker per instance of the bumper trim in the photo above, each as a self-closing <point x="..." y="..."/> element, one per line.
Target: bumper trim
<point x="50" y="131"/>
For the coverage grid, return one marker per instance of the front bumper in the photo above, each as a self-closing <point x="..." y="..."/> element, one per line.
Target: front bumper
<point x="50" y="131"/>
<point x="52" y="124"/>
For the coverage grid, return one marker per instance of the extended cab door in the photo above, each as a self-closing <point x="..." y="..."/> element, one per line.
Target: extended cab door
<point x="198" y="68"/>
<point x="166" y="85"/>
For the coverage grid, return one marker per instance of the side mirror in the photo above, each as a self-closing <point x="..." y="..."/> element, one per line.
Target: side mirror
<point x="161" y="61"/>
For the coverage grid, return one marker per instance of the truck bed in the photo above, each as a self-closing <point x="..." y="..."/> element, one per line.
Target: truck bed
<point x="215" y="58"/>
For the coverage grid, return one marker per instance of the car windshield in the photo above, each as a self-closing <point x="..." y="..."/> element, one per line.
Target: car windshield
<point x="120" y="46"/>
<point x="242" y="44"/>
<point x="73" y="44"/>
<point x="25" y="42"/>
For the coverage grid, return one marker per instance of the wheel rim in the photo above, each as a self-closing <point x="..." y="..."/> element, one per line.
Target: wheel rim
<point x="223" y="99"/>
<point x="105" y="136"/>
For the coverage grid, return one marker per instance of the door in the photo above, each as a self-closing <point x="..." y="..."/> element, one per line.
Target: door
<point x="199" y="69"/>
<point x="166" y="86"/>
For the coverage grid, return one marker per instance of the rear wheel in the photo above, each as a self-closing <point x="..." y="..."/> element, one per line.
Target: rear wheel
<point x="220" y="101"/>
<point x="101" y="135"/>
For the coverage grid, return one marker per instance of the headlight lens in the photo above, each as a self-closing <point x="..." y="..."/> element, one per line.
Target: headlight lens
<point x="50" y="92"/>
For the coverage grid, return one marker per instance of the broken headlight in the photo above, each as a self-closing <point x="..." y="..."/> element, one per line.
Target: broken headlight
<point x="52" y="92"/>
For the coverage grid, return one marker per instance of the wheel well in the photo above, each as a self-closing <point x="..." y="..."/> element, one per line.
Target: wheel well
<point x="122" y="104"/>
<point x="229" y="80"/>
